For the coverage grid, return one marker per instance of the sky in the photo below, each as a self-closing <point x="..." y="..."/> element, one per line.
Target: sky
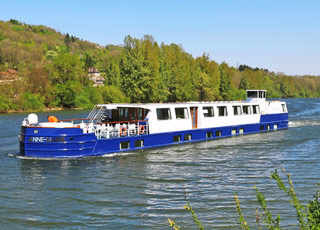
<point x="282" y="36"/>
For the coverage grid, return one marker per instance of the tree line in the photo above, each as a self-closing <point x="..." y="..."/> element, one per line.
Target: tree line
<point x="53" y="72"/>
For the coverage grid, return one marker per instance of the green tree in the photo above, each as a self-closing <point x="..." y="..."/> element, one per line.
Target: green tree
<point x="68" y="78"/>
<point x="112" y="94"/>
<point x="225" y="83"/>
<point x="67" y="41"/>
<point x="209" y="79"/>
<point x="89" y="61"/>
<point x="135" y="78"/>
<point x="244" y="83"/>
<point x="113" y="73"/>
<point x="30" y="101"/>
<point x="4" y="104"/>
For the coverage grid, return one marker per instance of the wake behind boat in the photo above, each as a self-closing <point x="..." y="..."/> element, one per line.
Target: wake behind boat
<point x="111" y="128"/>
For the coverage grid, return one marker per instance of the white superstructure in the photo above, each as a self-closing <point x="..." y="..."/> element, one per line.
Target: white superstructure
<point x="170" y="117"/>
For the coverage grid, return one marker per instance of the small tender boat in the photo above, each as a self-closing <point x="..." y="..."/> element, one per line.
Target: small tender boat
<point x="111" y="128"/>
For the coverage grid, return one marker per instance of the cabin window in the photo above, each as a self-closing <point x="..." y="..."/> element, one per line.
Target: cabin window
<point x="177" y="138"/>
<point x="121" y="114"/>
<point x="187" y="137"/>
<point x="132" y="114"/>
<point x="268" y="127"/>
<point x="275" y="126"/>
<point x="284" y="108"/>
<point x="237" y="110"/>
<point x="252" y="94"/>
<point x="209" y="135"/>
<point x="139" y="113"/>
<point x="261" y="127"/>
<point x="255" y="109"/>
<point x="164" y="114"/>
<point x="181" y="113"/>
<point x="246" y="109"/>
<point x="233" y="132"/>
<point x="124" y="144"/>
<point x="138" y="143"/>
<point x="208" y="111"/>
<point x="218" y="133"/>
<point x="241" y="131"/>
<point x="222" y="111"/>
<point x="262" y="94"/>
<point x="256" y="94"/>
<point x="126" y="114"/>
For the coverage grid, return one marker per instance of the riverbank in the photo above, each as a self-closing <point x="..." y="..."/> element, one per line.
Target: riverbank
<point x="42" y="110"/>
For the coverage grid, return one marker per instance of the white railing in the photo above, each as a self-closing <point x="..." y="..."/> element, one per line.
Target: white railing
<point x="110" y="129"/>
<point x="120" y="129"/>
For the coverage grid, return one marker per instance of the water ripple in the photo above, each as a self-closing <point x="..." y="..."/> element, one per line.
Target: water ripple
<point x="142" y="189"/>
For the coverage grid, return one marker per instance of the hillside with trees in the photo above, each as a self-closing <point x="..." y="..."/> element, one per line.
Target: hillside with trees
<point x="42" y="68"/>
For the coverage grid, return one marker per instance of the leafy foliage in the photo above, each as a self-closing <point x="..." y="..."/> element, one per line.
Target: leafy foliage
<point x="313" y="213"/>
<point x="54" y="67"/>
<point x="31" y="102"/>
<point x="242" y="221"/>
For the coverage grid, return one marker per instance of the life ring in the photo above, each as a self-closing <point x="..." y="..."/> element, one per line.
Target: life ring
<point x="123" y="131"/>
<point x="142" y="129"/>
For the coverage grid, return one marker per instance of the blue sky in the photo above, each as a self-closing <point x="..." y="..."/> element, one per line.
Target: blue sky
<point x="282" y="36"/>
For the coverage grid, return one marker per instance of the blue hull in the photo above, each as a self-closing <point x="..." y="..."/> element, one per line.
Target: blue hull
<point x="73" y="143"/>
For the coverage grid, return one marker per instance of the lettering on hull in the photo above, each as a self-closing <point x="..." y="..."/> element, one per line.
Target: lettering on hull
<point x="46" y="139"/>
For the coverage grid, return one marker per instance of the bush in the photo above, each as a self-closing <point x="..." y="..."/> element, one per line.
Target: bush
<point x="88" y="98"/>
<point x="112" y="94"/>
<point x="5" y="104"/>
<point x="31" y="102"/>
<point x="240" y="94"/>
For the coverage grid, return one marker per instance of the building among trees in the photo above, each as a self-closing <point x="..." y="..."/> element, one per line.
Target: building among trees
<point x="8" y="76"/>
<point x="95" y="76"/>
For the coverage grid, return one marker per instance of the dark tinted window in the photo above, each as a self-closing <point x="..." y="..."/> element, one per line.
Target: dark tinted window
<point x="164" y="114"/>
<point x="208" y="111"/>
<point x="255" y="109"/>
<point x="222" y="111"/>
<point x="181" y="113"/>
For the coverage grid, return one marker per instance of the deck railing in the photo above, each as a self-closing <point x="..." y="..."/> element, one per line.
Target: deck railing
<point x="112" y="129"/>
<point x="121" y="128"/>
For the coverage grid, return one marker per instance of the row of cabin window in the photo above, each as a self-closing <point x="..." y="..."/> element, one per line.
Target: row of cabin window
<point x="237" y="110"/>
<point x="126" y="114"/>
<point x="165" y="113"/>
<point x="182" y="113"/>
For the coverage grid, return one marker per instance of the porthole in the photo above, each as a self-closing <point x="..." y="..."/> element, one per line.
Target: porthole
<point x="177" y="138"/>
<point x="209" y="135"/>
<point x="138" y="143"/>
<point x="124" y="144"/>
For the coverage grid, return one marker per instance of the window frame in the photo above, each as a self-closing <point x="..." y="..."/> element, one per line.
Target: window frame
<point x="257" y="111"/>
<point x="185" y="113"/>
<point x="206" y="111"/>
<point x="284" y="108"/>
<point x="237" y="106"/>
<point x="225" y="111"/>
<point x="169" y="114"/>
<point x="249" y="110"/>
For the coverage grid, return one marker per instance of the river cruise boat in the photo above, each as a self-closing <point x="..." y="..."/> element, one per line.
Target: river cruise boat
<point x="111" y="128"/>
